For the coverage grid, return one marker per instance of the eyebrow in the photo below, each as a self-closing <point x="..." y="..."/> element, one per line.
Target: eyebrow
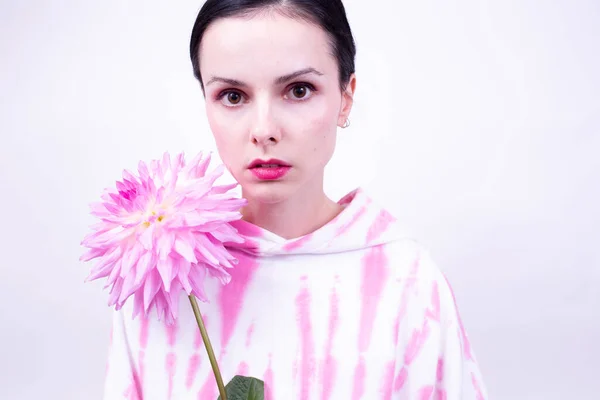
<point x="280" y="80"/>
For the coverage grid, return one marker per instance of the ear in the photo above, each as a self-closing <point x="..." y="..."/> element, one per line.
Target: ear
<point x="347" y="100"/>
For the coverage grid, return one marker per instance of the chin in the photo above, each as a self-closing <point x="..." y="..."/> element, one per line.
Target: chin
<point x="267" y="192"/>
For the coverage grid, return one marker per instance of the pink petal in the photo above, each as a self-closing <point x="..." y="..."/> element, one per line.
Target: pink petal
<point x="193" y="219"/>
<point x="206" y="248"/>
<point x="117" y="199"/>
<point x="165" y="244"/>
<point x="166" y="162"/>
<point x="114" y="274"/>
<point x="223" y="188"/>
<point x="131" y="183"/>
<point x="190" y="168"/>
<point x="197" y="275"/>
<point x="127" y="175"/>
<point x="184" y="270"/>
<point x="208" y="227"/>
<point x="175" y="222"/>
<point x="98" y="209"/>
<point x="205" y="203"/>
<point x="105" y="263"/>
<point x="198" y="191"/>
<point x="100" y="271"/>
<point x="179" y="161"/>
<point x="144" y="264"/>
<point x="179" y="199"/>
<point x="215" y="174"/>
<point x="138" y="304"/>
<point x="119" y="238"/>
<point x="93" y="253"/>
<point x="102" y="227"/>
<point x="185" y="250"/>
<point x="176" y="169"/>
<point x="161" y="306"/>
<point x="167" y="269"/>
<point x="157" y="170"/>
<point x="226" y="234"/>
<point x="219" y="273"/>
<point x="160" y="194"/>
<point x="115" y="292"/>
<point x="118" y="221"/>
<point x="222" y="203"/>
<point x="202" y="167"/>
<point x="139" y="203"/>
<point x="150" y="185"/>
<point x="143" y="171"/>
<point x="105" y="196"/>
<point x="220" y="216"/>
<point x="230" y="216"/>
<point x="223" y="257"/>
<point x="151" y="287"/>
<point x="128" y="288"/>
<point x="121" y="186"/>
<point x="146" y="238"/>
<point x="173" y="299"/>
<point x="130" y="258"/>
<point x="95" y="239"/>
<point x="112" y="209"/>
<point x="172" y="182"/>
<point x="108" y="238"/>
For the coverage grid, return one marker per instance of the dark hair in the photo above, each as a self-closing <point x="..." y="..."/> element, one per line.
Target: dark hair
<point x="330" y="15"/>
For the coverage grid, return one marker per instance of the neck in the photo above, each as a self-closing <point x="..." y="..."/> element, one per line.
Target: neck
<point x="297" y="216"/>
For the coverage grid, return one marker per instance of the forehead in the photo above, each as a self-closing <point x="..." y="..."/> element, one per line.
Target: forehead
<point x="267" y="44"/>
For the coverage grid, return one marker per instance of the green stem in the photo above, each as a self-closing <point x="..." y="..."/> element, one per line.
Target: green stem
<point x="208" y="346"/>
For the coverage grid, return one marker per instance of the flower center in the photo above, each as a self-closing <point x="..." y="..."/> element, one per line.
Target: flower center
<point x="153" y="218"/>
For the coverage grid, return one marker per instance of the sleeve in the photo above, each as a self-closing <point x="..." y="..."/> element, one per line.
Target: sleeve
<point x="122" y="378"/>
<point x="435" y="360"/>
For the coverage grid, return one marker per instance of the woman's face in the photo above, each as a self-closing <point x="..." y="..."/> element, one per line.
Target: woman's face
<point x="273" y="93"/>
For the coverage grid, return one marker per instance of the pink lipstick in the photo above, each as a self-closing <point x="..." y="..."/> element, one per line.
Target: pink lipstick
<point x="269" y="170"/>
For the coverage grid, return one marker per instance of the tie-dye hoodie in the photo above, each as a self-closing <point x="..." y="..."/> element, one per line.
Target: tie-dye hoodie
<point x="355" y="310"/>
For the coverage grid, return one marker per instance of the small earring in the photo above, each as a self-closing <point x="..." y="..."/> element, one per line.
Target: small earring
<point x="346" y="124"/>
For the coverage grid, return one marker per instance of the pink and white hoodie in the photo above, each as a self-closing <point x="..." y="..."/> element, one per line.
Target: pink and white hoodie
<point x="355" y="310"/>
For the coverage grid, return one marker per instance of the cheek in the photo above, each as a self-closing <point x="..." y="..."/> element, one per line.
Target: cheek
<point x="319" y="118"/>
<point x="321" y="131"/>
<point x="216" y="121"/>
<point x="226" y="136"/>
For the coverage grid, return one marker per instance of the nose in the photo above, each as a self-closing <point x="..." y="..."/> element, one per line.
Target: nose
<point x="264" y="129"/>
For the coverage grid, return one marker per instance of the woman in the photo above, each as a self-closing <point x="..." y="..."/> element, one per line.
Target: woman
<point x="329" y="300"/>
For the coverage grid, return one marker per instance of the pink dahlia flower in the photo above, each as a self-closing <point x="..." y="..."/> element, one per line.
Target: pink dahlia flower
<point x="163" y="231"/>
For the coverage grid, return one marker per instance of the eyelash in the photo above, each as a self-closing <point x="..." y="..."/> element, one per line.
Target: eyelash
<point x="312" y="89"/>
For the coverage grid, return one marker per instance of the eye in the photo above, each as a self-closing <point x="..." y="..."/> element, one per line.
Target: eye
<point x="231" y="98"/>
<point x="300" y="91"/>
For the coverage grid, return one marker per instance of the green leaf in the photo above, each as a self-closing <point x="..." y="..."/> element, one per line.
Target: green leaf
<point x="245" y="388"/>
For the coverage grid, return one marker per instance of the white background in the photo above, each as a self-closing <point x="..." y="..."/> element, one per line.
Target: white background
<point x="476" y="122"/>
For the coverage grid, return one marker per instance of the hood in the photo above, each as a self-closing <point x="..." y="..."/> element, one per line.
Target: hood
<point x="361" y="224"/>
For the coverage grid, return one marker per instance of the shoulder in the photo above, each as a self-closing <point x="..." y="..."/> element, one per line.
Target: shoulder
<point x="410" y="258"/>
<point x="418" y="275"/>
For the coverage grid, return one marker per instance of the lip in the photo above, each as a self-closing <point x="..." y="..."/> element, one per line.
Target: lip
<point x="275" y="161"/>
<point x="276" y="172"/>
